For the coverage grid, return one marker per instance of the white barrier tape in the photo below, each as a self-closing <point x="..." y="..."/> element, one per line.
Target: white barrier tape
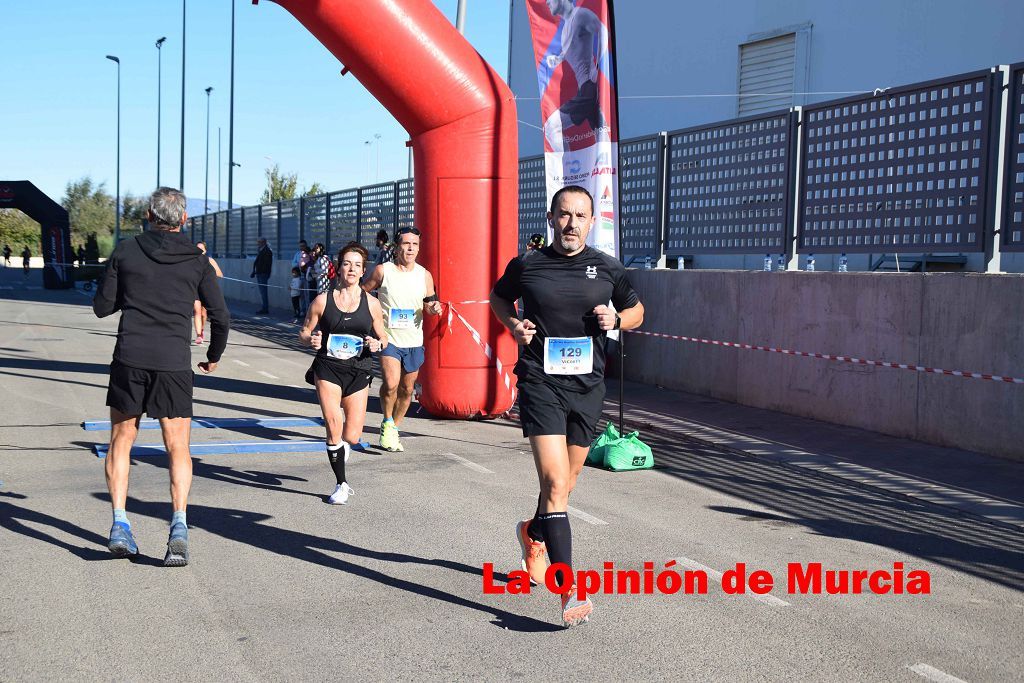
<point x="842" y="359"/>
<point x="253" y="282"/>
<point x="488" y="351"/>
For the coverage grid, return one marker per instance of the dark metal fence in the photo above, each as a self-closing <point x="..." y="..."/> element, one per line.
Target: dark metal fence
<point x="906" y="170"/>
<point x="912" y="169"/>
<point x="729" y="186"/>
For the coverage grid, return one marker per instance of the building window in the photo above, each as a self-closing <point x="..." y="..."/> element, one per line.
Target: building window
<point x="773" y="67"/>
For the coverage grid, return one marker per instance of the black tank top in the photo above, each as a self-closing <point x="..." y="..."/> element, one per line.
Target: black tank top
<point x="335" y="321"/>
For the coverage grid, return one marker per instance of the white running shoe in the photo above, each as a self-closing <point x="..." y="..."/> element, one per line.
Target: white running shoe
<point x="341" y="494"/>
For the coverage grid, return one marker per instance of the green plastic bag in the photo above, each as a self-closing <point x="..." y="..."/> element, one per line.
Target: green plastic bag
<point x="619" y="453"/>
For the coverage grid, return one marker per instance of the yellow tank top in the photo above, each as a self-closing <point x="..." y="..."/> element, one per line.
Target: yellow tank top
<point x="401" y="300"/>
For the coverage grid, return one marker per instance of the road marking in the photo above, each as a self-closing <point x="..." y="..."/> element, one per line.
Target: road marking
<point x="267" y="374"/>
<point x="933" y="674"/>
<point x="468" y="463"/>
<point x="687" y="563"/>
<point x="241" y="362"/>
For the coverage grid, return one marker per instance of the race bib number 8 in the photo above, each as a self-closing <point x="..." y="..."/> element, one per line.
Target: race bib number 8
<point x="401" y="318"/>
<point x="344" y="346"/>
<point x="568" y="355"/>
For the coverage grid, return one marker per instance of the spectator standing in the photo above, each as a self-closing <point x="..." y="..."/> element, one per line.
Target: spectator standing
<point x="261" y="269"/>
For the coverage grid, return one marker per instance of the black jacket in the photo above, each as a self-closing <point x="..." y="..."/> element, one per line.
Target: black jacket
<point x="264" y="262"/>
<point x="154" y="279"/>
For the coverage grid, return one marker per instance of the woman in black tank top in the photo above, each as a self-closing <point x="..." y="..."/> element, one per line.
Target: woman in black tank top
<point x="345" y="326"/>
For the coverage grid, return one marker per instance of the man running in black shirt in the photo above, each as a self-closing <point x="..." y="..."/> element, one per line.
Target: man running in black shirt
<point x="153" y="280"/>
<point x="565" y="288"/>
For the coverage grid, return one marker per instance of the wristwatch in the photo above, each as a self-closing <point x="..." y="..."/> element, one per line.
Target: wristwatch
<point x="618" y="321"/>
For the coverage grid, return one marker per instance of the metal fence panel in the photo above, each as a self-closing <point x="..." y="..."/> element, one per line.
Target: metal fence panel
<point x="1013" y="188"/>
<point x="406" y="203"/>
<point x="728" y="186"/>
<point x="268" y="223"/>
<point x="220" y="233"/>
<point x="904" y="171"/>
<point x="533" y="198"/>
<point x="314" y="210"/>
<point x="290" y="234"/>
<point x="376" y="211"/>
<point x="250" y="229"/>
<point x="234" y="233"/>
<point x="344" y="218"/>
<point x="640" y="171"/>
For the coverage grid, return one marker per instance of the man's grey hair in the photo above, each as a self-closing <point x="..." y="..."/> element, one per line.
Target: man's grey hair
<point x="168" y="207"/>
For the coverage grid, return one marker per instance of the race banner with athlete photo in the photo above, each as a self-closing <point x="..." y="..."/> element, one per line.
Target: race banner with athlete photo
<point x="573" y="49"/>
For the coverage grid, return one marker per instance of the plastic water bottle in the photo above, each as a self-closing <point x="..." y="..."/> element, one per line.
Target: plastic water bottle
<point x="810" y="263"/>
<point x="767" y="263"/>
<point x="647" y="263"/>
<point x="843" y="262"/>
<point x="782" y="262"/>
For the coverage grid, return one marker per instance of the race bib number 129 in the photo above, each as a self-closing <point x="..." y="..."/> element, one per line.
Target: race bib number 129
<point x="568" y="355"/>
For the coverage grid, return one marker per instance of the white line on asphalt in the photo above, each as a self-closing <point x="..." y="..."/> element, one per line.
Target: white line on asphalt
<point x="468" y="463"/>
<point x="687" y="563"/>
<point x="933" y="674"/>
<point x="241" y="362"/>
<point x="267" y="374"/>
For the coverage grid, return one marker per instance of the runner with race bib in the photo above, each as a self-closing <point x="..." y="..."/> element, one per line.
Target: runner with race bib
<point x="345" y="326"/>
<point x="406" y="292"/>
<point x="565" y="288"/>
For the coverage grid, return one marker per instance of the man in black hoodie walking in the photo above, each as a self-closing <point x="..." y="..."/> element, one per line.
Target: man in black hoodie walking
<point x="153" y="280"/>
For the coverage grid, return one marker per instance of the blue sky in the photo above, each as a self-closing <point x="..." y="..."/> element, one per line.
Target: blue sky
<point x="292" y="107"/>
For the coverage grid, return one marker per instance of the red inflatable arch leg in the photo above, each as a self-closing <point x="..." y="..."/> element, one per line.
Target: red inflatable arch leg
<point x="462" y="120"/>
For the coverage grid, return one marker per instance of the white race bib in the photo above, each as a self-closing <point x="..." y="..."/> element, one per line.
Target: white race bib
<point x="401" y="318"/>
<point x="344" y="346"/>
<point x="568" y="355"/>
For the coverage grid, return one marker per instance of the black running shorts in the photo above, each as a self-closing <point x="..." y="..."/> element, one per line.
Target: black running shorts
<point x="351" y="379"/>
<point x="133" y="391"/>
<point x="546" y="409"/>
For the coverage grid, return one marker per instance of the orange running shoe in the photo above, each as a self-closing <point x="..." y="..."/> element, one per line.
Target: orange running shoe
<point x="575" y="611"/>
<point x="534" y="562"/>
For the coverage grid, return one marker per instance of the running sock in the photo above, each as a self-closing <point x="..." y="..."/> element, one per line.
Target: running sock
<point x="387" y="420"/>
<point x="120" y="516"/>
<point x="558" y="537"/>
<point x="178" y="517"/>
<point x="336" y="456"/>
<point x="533" y="529"/>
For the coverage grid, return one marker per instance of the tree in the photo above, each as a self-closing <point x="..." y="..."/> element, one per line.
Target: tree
<point x="90" y="210"/>
<point x="18" y="230"/>
<point x="314" y="189"/>
<point x="279" y="185"/>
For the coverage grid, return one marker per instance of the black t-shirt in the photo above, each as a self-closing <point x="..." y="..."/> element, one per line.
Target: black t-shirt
<point x="559" y="294"/>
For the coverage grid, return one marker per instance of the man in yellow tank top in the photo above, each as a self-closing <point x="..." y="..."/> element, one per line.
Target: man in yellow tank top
<point x="406" y="291"/>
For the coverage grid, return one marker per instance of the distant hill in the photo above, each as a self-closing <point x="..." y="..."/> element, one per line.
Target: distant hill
<point x="195" y="207"/>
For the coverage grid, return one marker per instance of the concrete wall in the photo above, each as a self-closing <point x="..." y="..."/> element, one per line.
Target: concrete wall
<point x="953" y="321"/>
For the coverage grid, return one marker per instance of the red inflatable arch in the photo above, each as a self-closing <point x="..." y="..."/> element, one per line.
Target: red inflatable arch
<point x="462" y="120"/>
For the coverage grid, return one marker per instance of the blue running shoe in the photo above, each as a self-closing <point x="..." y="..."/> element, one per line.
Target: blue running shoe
<point x="122" y="543"/>
<point x="177" y="546"/>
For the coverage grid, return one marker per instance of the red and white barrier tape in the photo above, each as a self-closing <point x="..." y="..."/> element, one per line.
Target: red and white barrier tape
<point x="842" y="359"/>
<point x="488" y="351"/>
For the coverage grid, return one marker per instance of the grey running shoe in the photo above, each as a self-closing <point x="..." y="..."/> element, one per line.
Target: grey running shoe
<point x="575" y="611"/>
<point x="177" y="546"/>
<point x="122" y="543"/>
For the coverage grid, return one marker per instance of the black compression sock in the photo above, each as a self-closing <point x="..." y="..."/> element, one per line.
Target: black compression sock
<point x="533" y="529"/>
<point x="336" y="456"/>
<point x="558" y="537"/>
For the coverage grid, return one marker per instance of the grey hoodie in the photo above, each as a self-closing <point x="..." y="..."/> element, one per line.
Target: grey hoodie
<point x="153" y="279"/>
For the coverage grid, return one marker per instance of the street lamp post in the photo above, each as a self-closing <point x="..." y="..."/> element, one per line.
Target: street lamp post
<point x="159" y="52"/>
<point x="117" y="199"/>
<point x="206" y="200"/>
<point x="231" y="120"/>
<point x="460" y="17"/>
<point x="376" y="137"/>
<point x="181" y="177"/>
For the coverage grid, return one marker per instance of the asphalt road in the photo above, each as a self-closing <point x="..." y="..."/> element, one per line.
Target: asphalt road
<point x="283" y="586"/>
